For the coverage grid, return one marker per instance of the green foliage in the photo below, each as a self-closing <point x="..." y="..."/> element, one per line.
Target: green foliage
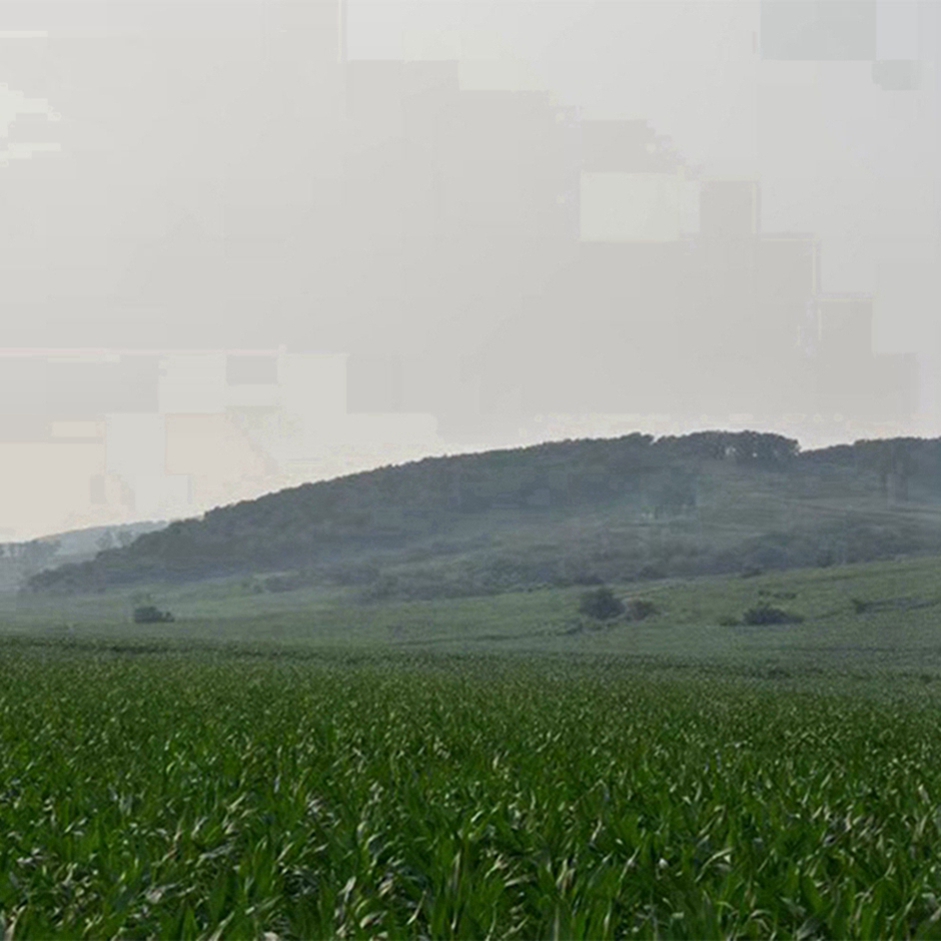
<point x="601" y="603"/>
<point x="766" y="613"/>
<point x="556" y="514"/>
<point x="897" y="632"/>
<point x="39" y="553"/>
<point x="167" y="796"/>
<point x="151" y="614"/>
<point x="391" y="507"/>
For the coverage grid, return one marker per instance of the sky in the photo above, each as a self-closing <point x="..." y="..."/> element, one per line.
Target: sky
<point x="244" y="245"/>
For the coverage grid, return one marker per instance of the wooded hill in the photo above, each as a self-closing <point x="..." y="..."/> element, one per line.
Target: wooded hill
<point x="561" y="513"/>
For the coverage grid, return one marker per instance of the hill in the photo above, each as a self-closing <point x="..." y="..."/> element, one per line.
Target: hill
<point x="21" y="560"/>
<point x="571" y="512"/>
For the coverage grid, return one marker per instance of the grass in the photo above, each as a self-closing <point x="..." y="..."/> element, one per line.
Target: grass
<point x="873" y="616"/>
<point x="198" y="796"/>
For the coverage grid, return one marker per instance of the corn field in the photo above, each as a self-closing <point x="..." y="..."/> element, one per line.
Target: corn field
<point x="224" y="797"/>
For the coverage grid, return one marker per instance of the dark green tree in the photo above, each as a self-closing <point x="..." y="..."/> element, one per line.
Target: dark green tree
<point x="601" y="604"/>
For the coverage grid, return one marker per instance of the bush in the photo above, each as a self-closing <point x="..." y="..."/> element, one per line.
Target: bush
<point x="765" y="613"/>
<point x="151" y="614"/>
<point x="601" y="604"/>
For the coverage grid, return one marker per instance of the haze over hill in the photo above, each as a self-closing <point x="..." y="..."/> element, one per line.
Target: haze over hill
<point x="559" y="513"/>
<point x="20" y="560"/>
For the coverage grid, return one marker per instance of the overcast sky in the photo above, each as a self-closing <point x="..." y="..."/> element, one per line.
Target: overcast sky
<point x="230" y="262"/>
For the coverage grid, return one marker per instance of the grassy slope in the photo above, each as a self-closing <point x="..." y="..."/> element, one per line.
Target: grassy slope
<point x="743" y="518"/>
<point x="899" y="631"/>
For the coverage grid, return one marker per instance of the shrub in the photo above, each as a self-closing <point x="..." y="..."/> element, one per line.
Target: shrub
<point x="765" y="613"/>
<point x="601" y="604"/>
<point x="151" y="614"/>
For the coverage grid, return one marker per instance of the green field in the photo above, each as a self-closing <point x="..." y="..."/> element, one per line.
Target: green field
<point x="869" y="618"/>
<point x="302" y="765"/>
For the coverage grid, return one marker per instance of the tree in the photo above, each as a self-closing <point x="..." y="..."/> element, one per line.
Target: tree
<point x="151" y="614"/>
<point x="105" y="541"/>
<point x="39" y="553"/>
<point x="893" y="461"/>
<point x="125" y="538"/>
<point x="601" y="604"/>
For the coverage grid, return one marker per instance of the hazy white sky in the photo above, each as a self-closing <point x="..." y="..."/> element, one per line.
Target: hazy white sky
<point x="836" y="154"/>
<point x="182" y="182"/>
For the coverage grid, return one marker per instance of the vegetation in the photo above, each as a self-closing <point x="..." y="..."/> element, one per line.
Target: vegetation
<point x="179" y="796"/>
<point x="601" y="603"/>
<point x="765" y="613"/>
<point x="305" y="764"/>
<point x="562" y="514"/>
<point x="324" y="743"/>
<point x="289" y="758"/>
<point x="892" y="626"/>
<point x="151" y="614"/>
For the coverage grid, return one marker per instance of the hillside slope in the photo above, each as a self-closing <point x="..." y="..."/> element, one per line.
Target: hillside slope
<point x="559" y="513"/>
<point x="19" y="561"/>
